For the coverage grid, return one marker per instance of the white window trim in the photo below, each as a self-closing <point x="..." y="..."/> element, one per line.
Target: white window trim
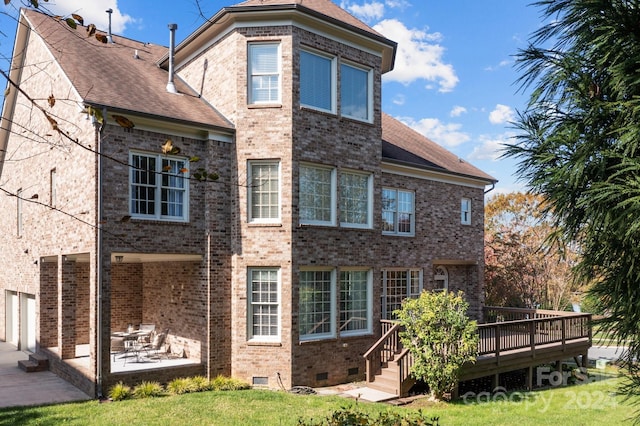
<point x="467" y="202"/>
<point x="369" y="72"/>
<point x="334" y="195"/>
<point x="369" y="223"/>
<point x="332" y="332"/>
<point x="334" y="80"/>
<point x="158" y="188"/>
<point x="396" y="231"/>
<point x="369" y="329"/>
<point x="250" y="74"/>
<point x="440" y="273"/>
<point x="250" y="217"/>
<point x="250" y="335"/>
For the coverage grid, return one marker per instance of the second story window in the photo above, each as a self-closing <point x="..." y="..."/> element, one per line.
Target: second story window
<point x="158" y="187"/>
<point x="264" y="73"/>
<point x="398" y="212"/>
<point x="355" y="199"/>
<point x="264" y="191"/>
<point x="355" y="93"/>
<point x="317" y="195"/>
<point x="317" y="81"/>
<point x="465" y="211"/>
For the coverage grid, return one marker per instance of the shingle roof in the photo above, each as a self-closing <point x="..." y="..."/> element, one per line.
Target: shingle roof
<point x="109" y="75"/>
<point x="402" y="144"/>
<point x="324" y="7"/>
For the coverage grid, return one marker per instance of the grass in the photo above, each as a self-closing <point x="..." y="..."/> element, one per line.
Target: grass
<point x="601" y="338"/>
<point x="594" y="403"/>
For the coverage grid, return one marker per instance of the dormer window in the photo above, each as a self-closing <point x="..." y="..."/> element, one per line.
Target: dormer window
<point x="264" y="73"/>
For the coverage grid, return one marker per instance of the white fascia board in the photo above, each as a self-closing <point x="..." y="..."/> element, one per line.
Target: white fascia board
<point x="433" y="175"/>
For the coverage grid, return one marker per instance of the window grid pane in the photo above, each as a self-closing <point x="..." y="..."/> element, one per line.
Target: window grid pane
<point x="354" y="198"/>
<point x="315" y="81"/>
<point x="143" y="185"/>
<point x="265" y="193"/>
<point x="397" y="211"/>
<point x="396" y="292"/>
<point x="354" y="315"/>
<point x="265" y="76"/>
<point x="389" y="210"/>
<point x="264" y="303"/>
<point x="315" y="303"/>
<point x="315" y="194"/>
<point x="354" y="92"/>
<point x="173" y="188"/>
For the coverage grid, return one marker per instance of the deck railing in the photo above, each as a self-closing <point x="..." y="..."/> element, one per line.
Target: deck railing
<point x="511" y="329"/>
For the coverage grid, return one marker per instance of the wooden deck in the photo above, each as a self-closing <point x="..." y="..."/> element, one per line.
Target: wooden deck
<point x="514" y="339"/>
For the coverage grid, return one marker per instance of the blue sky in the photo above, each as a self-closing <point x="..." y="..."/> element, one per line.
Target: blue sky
<point x="454" y="79"/>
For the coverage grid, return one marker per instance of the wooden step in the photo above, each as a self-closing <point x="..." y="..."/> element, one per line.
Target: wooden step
<point x="36" y="362"/>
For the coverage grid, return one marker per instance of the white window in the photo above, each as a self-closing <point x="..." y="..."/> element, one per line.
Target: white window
<point x="317" y="81"/>
<point x="440" y="278"/>
<point x="317" y="195"/>
<point x="356" y="87"/>
<point x="264" y="304"/>
<point x="19" y="213"/>
<point x="355" y="199"/>
<point x="398" y="212"/>
<point x="465" y="211"/>
<point x="158" y="187"/>
<point x="264" y="73"/>
<point x="355" y="302"/>
<point x="398" y="285"/>
<point x="317" y="304"/>
<point x="53" y="195"/>
<point x="264" y="191"/>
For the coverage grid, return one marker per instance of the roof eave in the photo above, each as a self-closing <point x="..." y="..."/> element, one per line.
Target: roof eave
<point x="482" y="180"/>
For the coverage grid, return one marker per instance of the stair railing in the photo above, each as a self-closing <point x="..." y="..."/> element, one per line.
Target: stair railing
<point x="383" y="350"/>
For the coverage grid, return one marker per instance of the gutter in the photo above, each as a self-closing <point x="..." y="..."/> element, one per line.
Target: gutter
<point x="99" y="128"/>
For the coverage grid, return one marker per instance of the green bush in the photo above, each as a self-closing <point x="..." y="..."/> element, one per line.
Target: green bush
<point x="228" y="383"/>
<point x="200" y="384"/>
<point x="120" y="392"/>
<point x="179" y="386"/>
<point x="148" y="390"/>
<point x="440" y="336"/>
<point x="351" y="416"/>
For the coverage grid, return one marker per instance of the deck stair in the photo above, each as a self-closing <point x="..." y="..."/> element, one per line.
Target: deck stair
<point x="36" y="362"/>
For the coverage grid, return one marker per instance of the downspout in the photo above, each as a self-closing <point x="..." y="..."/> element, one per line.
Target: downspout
<point x="493" y="185"/>
<point x="171" y="88"/>
<point x="98" y="144"/>
<point x="208" y="305"/>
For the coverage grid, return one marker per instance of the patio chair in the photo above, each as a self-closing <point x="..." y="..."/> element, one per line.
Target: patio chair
<point x="157" y="345"/>
<point x="117" y="346"/>
<point x="147" y="337"/>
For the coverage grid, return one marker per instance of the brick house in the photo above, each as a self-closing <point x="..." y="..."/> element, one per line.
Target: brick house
<point x="326" y="214"/>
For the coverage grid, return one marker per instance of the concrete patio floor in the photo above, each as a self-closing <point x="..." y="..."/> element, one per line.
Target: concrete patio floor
<point x="18" y="388"/>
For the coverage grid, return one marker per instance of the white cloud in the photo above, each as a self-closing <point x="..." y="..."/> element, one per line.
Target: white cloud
<point x="367" y="12"/>
<point x="501" y="64"/>
<point x="93" y="12"/>
<point x="501" y="114"/>
<point x="399" y="99"/>
<point x="418" y="56"/>
<point x="457" y="111"/>
<point x="446" y="134"/>
<point x="490" y="147"/>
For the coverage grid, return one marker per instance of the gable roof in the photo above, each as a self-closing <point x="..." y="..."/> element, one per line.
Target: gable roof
<point x="109" y="75"/>
<point x="404" y="146"/>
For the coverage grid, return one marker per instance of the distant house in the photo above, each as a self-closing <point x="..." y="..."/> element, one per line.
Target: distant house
<point x="327" y="212"/>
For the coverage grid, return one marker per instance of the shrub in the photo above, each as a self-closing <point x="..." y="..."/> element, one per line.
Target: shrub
<point x="440" y="337"/>
<point x="120" y="392"/>
<point x="148" y="390"/>
<point x="179" y="386"/>
<point x="228" y="383"/>
<point x="351" y="416"/>
<point x="200" y="384"/>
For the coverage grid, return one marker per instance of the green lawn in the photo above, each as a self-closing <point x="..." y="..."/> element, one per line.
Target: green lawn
<point x="595" y="403"/>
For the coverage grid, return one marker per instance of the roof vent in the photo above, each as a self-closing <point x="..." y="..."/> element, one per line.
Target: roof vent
<point x="109" y="38"/>
<point x="171" y="88"/>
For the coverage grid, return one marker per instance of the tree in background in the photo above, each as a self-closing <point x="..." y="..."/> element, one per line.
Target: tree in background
<point x="579" y="146"/>
<point x="523" y="266"/>
<point x="440" y="336"/>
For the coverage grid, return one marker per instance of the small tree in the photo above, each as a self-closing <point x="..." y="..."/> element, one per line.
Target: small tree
<point x="440" y="336"/>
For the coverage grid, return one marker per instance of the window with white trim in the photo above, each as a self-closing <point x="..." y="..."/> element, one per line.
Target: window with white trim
<point x="440" y="278"/>
<point x="264" y="73"/>
<point x="317" y="81"/>
<point x="465" y="211"/>
<point x="317" y="195"/>
<point x="397" y="285"/>
<point x="263" y="300"/>
<point x="356" y="86"/>
<point x="356" y="191"/>
<point x="158" y="187"/>
<point x="355" y="302"/>
<point x="264" y="191"/>
<point x="317" y="304"/>
<point x="398" y="212"/>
